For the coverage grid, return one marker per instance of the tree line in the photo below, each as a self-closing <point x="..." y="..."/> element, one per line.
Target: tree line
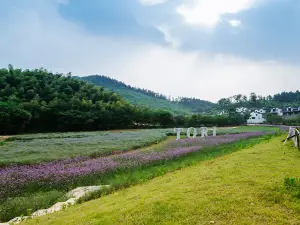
<point x="280" y="120"/>
<point x="41" y="101"/>
<point x="281" y="100"/>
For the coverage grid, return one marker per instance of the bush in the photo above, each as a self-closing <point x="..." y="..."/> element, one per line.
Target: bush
<point x="293" y="186"/>
<point x="274" y="119"/>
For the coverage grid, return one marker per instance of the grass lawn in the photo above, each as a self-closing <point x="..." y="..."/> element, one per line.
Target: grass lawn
<point x="241" y="129"/>
<point x="35" y="148"/>
<point x="245" y="187"/>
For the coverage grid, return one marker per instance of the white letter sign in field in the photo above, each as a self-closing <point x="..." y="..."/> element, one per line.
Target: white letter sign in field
<point x="203" y="132"/>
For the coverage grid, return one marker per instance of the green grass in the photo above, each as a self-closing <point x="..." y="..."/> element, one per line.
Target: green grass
<point x="29" y="203"/>
<point x="35" y="148"/>
<point x="245" y="187"/>
<point x="241" y="129"/>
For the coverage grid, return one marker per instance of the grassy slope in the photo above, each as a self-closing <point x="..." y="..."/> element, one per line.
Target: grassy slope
<point x="141" y="99"/>
<point x="138" y="98"/>
<point x="245" y="187"/>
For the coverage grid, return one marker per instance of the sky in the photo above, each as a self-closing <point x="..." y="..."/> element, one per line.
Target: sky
<point x="208" y="49"/>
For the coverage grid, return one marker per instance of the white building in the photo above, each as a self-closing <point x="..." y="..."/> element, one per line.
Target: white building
<point x="277" y="111"/>
<point x="256" y="118"/>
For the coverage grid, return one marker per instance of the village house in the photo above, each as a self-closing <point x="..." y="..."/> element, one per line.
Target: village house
<point x="277" y="111"/>
<point x="291" y="111"/>
<point x="256" y="118"/>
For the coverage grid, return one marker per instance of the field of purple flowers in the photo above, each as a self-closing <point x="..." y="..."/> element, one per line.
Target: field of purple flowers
<point x="38" y="148"/>
<point x="14" y="179"/>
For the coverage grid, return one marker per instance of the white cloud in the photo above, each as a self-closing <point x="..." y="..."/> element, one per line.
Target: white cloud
<point x="175" y="42"/>
<point x="235" y="23"/>
<point x="40" y="37"/>
<point x="209" y="12"/>
<point x="151" y="2"/>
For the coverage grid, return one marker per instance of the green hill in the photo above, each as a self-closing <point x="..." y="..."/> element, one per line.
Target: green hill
<point x="147" y="98"/>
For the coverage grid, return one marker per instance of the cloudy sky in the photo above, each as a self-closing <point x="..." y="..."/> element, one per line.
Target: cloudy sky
<point x="196" y="48"/>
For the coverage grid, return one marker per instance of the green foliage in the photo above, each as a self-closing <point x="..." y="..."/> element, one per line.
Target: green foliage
<point x="293" y="186"/>
<point x="290" y="121"/>
<point x="281" y="100"/>
<point x="287" y="97"/>
<point x="294" y="121"/>
<point x="164" y="118"/>
<point x="12" y="117"/>
<point x="274" y="119"/>
<point x="38" y="100"/>
<point x="220" y="121"/>
<point x="28" y="204"/>
<point x="146" y="98"/>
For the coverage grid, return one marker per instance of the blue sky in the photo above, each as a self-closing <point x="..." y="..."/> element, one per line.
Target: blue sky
<point x="197" y="48"/>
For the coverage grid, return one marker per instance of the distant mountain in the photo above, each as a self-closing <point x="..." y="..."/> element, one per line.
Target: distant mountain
<point x="151" y="99"/>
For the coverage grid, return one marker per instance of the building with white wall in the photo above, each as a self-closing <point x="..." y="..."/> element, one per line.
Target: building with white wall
<point x="256" y="118"/>
<point x="277" y="111"/>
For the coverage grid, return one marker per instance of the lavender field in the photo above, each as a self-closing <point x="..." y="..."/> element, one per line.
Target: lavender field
<point x="36" y="148"/>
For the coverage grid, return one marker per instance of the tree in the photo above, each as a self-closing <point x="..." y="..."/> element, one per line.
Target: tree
<point x="164" y="118"/>
<point x="253" y="98"/>
<point x="274" y="119"/>
<point x="13" y="118"/>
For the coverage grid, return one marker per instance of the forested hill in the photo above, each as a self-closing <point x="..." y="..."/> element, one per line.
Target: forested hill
<point x="38" y="100"/>
<point x="147" y="98"/>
